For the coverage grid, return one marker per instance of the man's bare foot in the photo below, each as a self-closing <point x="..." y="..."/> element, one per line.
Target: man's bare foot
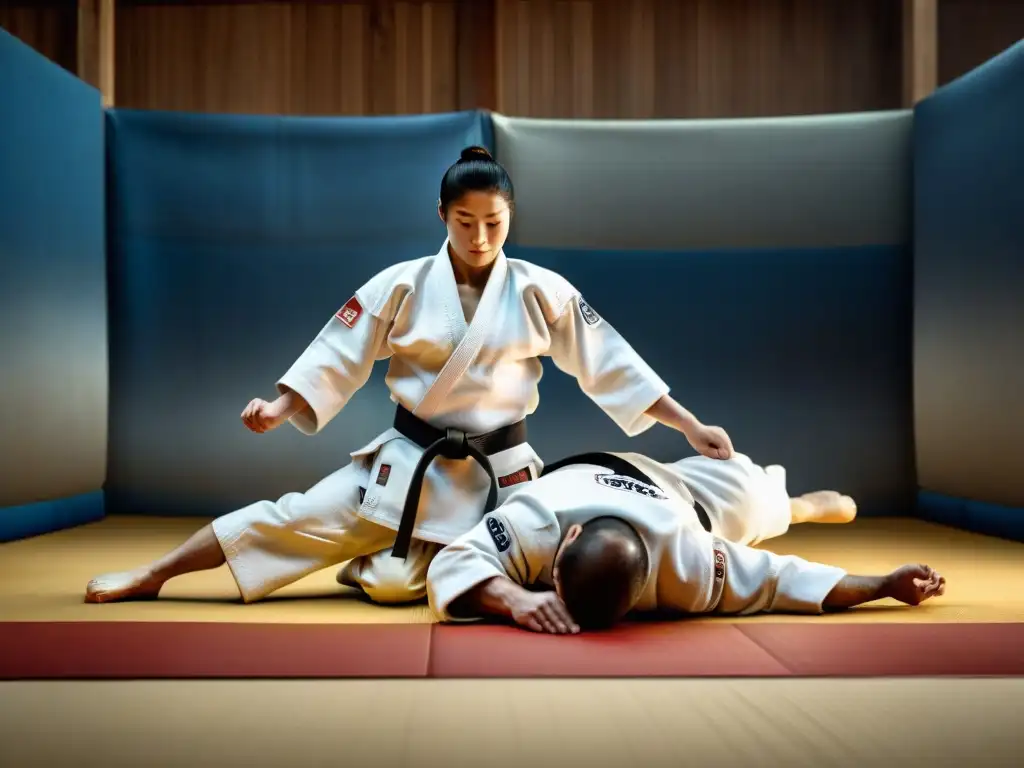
<point x="345" y="577"/>
<point x="913" y="584"/>
<point x="823" y="507"/>
<point x="127" y="585"/>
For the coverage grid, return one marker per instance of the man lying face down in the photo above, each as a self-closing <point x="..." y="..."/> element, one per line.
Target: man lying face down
<point x="602" y="535"/>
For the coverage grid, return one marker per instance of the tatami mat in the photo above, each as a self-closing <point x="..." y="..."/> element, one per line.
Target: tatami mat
<point x="43" y="578"/>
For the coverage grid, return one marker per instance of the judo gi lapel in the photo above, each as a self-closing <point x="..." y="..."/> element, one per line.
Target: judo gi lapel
<point x="468" y="340"/>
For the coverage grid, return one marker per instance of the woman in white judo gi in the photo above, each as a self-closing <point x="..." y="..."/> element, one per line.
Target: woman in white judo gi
<point x="464" y="331"/>
<point x="601" y="535"/>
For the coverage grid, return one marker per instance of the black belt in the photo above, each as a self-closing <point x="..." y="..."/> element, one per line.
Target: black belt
<point x="450" y="444"/>
<point x="620" y="466"/>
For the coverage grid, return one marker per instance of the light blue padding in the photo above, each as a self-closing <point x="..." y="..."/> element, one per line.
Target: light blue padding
<point x="801" y="182"/>
<point x="969" y="285"/>
<point x="803" y="356"/>
<point x="233" y="241"/>
<point x="53" y="302"/>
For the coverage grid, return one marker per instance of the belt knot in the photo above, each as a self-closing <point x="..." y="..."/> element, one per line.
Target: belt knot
<point x="455" y="445"/>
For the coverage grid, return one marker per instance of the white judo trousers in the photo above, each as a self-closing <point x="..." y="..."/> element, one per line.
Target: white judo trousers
<point x="746" y="503"/>
<point x="271" y="544"/>
<point x="476" y="374"/>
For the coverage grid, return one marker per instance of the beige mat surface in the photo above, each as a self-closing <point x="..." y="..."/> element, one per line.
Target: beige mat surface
<point x="521" y="723"/>
<point x="42" y="579"/>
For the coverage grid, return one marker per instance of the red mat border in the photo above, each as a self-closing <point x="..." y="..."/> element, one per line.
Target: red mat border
<point x="185" y="650"/>
<point x="215" y="650"/>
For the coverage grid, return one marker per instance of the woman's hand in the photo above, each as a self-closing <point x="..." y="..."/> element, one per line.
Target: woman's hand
<point x="712" y="442"/>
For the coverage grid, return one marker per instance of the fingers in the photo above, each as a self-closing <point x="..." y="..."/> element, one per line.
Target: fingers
<point x="558" y="616"/>
<point x="726" y="445"/>
<point x="932" y="585"/>
<point x="717" y="444"/>
<point x="253" y="417"/>
<point x="551" y="617"/>
<point x="936" y="584"/>
<point x="532" y="623"/>
<point x="541" y="622"/>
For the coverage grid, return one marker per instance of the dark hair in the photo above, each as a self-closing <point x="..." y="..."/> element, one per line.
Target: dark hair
<point x="475" y="171"/>
<point x="602" y="572"/>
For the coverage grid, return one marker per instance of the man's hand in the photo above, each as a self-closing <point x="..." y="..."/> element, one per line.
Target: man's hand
<point x="913" y="584"/>
<point x="542" y="612"/>
<point x="500" y="596"/>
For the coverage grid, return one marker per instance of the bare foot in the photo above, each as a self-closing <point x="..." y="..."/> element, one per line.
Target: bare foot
<point x="823" y="507"/>
<point x="344" y="576"/>
<point x="127" y="585"/>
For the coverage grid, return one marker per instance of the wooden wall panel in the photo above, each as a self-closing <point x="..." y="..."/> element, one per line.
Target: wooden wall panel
<point x="697" y="58"/>
<point x="49" y="26"/>
<point x="543" y="58"/>
<point x="973" y="31"/>
<point x="341" y="58"/>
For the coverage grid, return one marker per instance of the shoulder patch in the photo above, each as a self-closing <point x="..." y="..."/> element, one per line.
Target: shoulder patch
<point x="501" y="538"/>
<point x="589" y="315"/>
<point x="350" y="313"/>
<point x="623" y="483"/>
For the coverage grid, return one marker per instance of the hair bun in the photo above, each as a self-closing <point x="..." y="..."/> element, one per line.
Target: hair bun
<point x="474" y="153"/>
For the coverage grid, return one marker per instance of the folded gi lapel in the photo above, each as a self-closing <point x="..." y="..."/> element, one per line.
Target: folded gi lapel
<point x="470" y="341"/>
<point x="441" y="279"/>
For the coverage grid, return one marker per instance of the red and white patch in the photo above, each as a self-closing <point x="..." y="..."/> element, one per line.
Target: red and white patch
<point x="384" y="474"/>
<point x="521" y="476"/>
<point x="719" y="565"/>
<point x="350" y="312"/>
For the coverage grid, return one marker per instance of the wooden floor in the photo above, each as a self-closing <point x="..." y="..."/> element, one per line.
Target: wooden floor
<point x="650" y="723"/>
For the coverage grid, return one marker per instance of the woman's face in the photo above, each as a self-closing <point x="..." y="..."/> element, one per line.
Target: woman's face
<point x="477" y="227"/>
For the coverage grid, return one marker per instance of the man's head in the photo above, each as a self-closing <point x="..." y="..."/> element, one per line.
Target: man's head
<point x="600" y="570"/>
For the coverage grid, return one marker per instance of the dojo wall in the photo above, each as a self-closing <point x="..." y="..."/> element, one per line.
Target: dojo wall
<point x="53" y="311"/>
<point x="763" y="267"/>
<point x="233" y="240"/>
<point x="969" y="307"/>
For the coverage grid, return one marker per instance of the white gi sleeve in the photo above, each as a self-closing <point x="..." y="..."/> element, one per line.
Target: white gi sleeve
<point x="609" y="371"/>
<point x="506" y="543"/>
<point x="757" y="581"/>
<point x="338" y="362"/>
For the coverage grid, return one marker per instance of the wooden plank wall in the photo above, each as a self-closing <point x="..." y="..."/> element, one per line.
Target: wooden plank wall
<point x="539" y="58"/>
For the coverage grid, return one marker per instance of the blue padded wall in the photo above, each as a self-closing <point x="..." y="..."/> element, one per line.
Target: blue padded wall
<point x="233" y="240"/>
<point x="802" y="355"/>
<point x="968" y="305"/>
<point x="53" y="304"/>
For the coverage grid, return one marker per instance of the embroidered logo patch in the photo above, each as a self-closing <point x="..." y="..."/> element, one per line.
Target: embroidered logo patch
<point x="589" y="315"/>
<point x="350" y="312"/>
<point x="499" y="535"/>
<point x="384" y="474"/>
<point x="623" y="483"/>
<point x="719" y="565"/>
<point x="520" y="476"/>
